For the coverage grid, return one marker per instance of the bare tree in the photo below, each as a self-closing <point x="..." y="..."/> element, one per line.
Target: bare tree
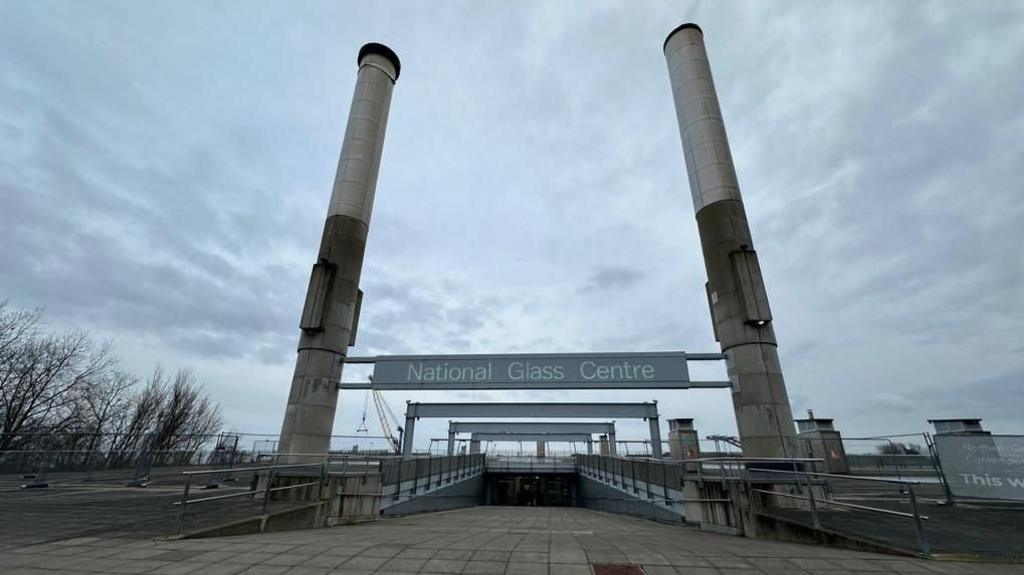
<point x="101" y="408"/>
<point x="41" y="374"/>
<point x="171" y="417"/>
<point x="899" y="448"/>
<point x="188" y="418"/>
<point x="61" y="392"/>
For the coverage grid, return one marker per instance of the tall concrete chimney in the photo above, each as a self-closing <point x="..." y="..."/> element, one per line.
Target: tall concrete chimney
<point x="331" y="311"/>
<point x="736" y="294"/>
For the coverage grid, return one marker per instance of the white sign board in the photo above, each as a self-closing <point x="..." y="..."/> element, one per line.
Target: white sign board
<point x="983" y="466"/>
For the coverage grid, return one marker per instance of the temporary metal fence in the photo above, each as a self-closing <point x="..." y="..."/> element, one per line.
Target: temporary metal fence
<point x="624" y="447"/>
<point x="136" y="459"/>
<point x="981" y="466"/>
<point x="900" y="455"/>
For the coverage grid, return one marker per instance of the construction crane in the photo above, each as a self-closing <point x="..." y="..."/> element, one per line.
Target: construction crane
<point x="383" y="411"/>
<point x="362" y="424"/>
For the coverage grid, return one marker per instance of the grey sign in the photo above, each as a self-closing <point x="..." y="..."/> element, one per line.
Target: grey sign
<point x="983" y="466"/>
<point x="534" y="371"/>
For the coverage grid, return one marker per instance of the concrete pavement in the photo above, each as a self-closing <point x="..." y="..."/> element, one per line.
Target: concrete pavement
<point x="479" y="540"/>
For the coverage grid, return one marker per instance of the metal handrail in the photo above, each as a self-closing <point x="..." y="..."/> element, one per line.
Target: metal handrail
<point x="841" y="476"/>
<point x="185" y="501"/>
<point x="755" y="459"/>
<point x="246" y="493"/>
<point x="922" y="539"/>
<point x="354" y="464"/>
<point x="803" y="479"/>
<point x="841" y="504"/>
<point x="242" y="469"/>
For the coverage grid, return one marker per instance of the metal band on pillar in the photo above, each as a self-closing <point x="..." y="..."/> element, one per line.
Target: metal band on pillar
<point x="735" y="288"/>
<point x="332" y="300"/>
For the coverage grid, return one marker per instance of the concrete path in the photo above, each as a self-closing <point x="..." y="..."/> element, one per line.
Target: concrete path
<point x="481" y="540"/>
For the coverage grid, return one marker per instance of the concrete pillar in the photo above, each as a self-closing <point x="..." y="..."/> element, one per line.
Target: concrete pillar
<point x="602" y="445"/>
<point x="332" y="300"/>
<point x="474" y="446"/>
<point x="613" y="446"/>
<point x="451" y="442"/>
<point x="540" y="449"/>
<point x="739" y="303"/>
<point x="408" y="435"/>
<point x="958" y="426"/>
<point x="683" y="441"/>
<point x="821" y="440"/>
<point x="590" y="447"/>
<point x="656" y="451"/>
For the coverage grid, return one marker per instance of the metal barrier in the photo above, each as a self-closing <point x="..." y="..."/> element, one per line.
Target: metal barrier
<point x="407" y="477"/>
<point x="530" y="464"/>
<point x="132" y="458"/>
<point x="661" y="483"/>
<point x="253" y="486"/>
<point x="922" y="539"/>
<point x="344" y="466"/>
<point x="652" y="482"/>
<point x="401" y="479"/>
<point x="747" y="471"/>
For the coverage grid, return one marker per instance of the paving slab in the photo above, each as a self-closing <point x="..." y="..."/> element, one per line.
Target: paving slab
<point x="483" y="540"/>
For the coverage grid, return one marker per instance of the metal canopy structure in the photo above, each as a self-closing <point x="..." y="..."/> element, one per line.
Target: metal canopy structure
<point x="506" y="428"/>
<point x="541" y="438"/>
<point x="544" y="437"/>
<point x="617" y="370"/>
<point x="530" y="427"/>
<point x="644" y="410"/>
<point x="640" y="410"/>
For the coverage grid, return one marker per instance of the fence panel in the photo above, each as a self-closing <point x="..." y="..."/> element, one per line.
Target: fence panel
<point x="983" y="466"/>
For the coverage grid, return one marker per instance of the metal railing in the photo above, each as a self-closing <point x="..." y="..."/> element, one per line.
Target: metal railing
<point x="401" y="479"/>
<point x="653" y="481"/>
<point x="531" y="464"/>
<point x="343" y="466"/>
<point x="253" y="486"/>
<point x="134" y="458"/>
<point x="748" y="470"/>
<point x="406" y="477"/>
<point x="813" y="502"/>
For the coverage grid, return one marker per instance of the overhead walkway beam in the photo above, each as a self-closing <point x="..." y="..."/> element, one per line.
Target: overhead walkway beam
<point x="534" y="427"/>
<point x="643" y="410"/>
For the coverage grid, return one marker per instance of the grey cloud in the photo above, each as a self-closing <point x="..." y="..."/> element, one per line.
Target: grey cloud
<point x="167" y="186"/>
<point x="609" y="277"/>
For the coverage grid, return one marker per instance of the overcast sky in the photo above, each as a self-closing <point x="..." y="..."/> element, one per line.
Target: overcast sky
<point x="165" y="170"/>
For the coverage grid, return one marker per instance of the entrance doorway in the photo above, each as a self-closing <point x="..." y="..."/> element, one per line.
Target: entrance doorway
<point x="542" y="490"/>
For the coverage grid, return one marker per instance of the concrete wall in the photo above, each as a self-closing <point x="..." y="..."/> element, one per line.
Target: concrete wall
<point x="353" y="499"/>
<point x="420" y="484"/>
<point x="593" y="494"/>
<point x="658" y="484"/>
<point x="466" y="493"/>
